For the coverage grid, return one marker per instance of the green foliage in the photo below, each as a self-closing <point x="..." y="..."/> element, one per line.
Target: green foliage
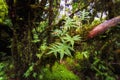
<point x="36" y="38"/>
<point x="3" y="75"/>
<point x="79" y="56"/>
<point x="58" y="32"/>
<point x="3" y="11"/>
<point x="75" y="6"/>
<point x="96" y="22"/>
<point x="82" y="55"/>
<point x="85" y="54"/>
<point x="37" y="30"/>
<point x="41" y="27"/>
<point x="102" y="69"/>
<point x="42" y="49"/>
<point x="79" y="4"/>
<point x="66" y="40"/>
<point x="61" y="48"/>
<point x="8" y="22"/>
<point x="64" y="47"/>
<point x="84" y="15"/>
<point x="29" y="71"/>
<point x="70" y="23"/>
<point x="59" y="72"/>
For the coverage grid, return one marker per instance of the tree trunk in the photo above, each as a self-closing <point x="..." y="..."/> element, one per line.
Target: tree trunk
<point x="22" y="46"/>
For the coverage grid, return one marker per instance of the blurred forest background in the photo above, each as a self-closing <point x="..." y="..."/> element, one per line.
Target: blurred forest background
<point x="59" y="40"/>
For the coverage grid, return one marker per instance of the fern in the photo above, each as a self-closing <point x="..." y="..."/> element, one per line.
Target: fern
<point x="67" y="41"/>
<point x="70" y="39"/>
<point x="84" y="15"/>
<point x="69" y="23"/>
<point x="58" y="33"/>
<point x="65" y="47"/>
<point x="61" y="48"/>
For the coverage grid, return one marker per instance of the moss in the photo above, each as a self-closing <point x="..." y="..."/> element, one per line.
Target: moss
<point x="58" y="72"/>
<point x="3" y="10"/>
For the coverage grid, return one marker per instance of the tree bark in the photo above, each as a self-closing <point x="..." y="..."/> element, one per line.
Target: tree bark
<point x="22" y="46"/>
<point x="101" y="28"/>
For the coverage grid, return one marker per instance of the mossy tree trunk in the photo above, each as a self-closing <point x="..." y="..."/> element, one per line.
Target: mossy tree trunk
<point x="23" y="13"/>
<point x="22" y="47"/>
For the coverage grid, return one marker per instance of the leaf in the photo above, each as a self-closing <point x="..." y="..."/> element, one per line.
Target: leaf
<point x="70" y="39"/>
<point x="34" y="74"/>
<point x="68" y="52"/>
<point x="85" y="54"/>
<point x="61" y="55"/>
<point x="39" y="55"/>
<point x="43" y="47"/>
<point x="61" y="48"/>
<point x="84" y="15"/>
<point x="69" y="23"/>
<point x="28" y="72"/>
<point x="79" y="55"/>
<point x="55" y="53"/>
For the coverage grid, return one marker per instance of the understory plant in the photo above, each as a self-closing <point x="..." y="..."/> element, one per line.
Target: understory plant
<point x="65" y="39"/>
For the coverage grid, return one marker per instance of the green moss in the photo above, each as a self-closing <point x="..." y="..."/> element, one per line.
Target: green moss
<point x="3" y="10"/>
<point x="79" y="56"/>
<point x="58" y="72"/>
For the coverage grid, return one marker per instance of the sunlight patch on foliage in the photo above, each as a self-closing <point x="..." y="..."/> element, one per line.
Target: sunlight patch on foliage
<point x="3" y="11"/>
<point x="59" y="72"/>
